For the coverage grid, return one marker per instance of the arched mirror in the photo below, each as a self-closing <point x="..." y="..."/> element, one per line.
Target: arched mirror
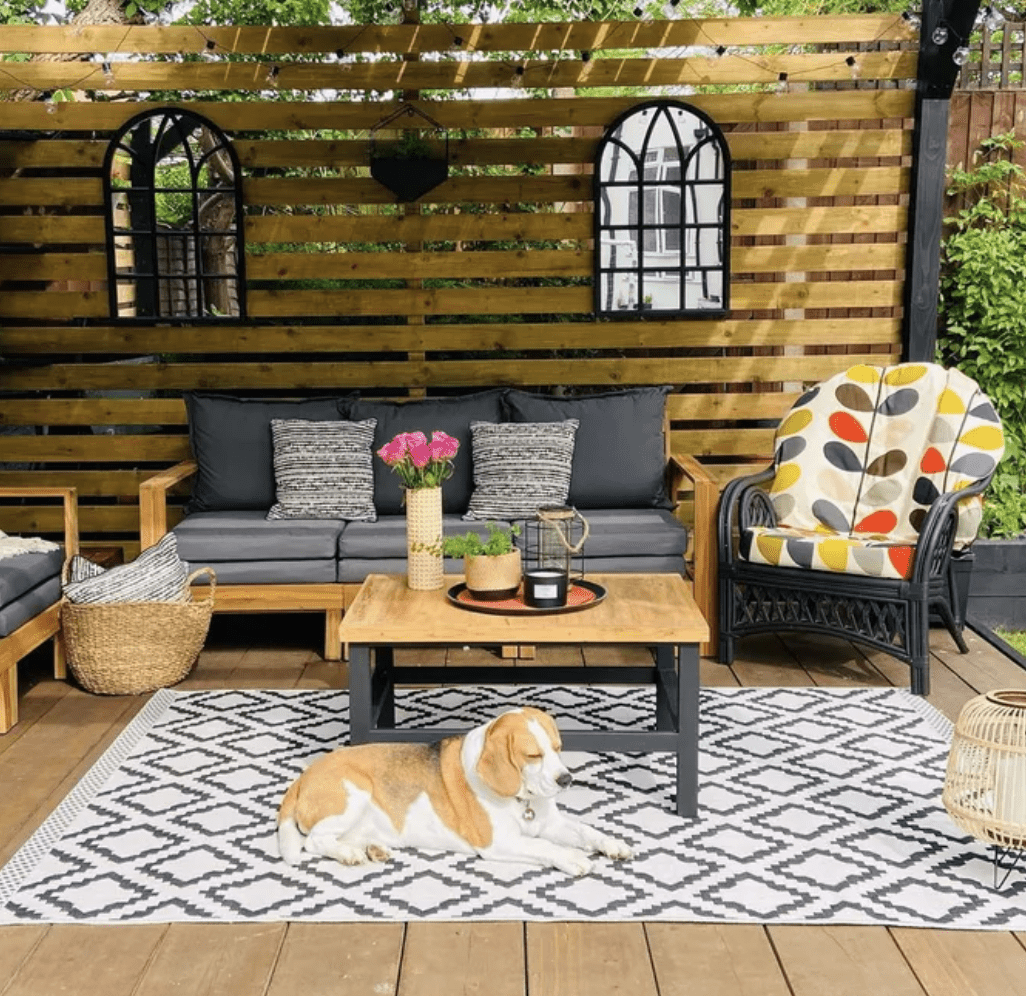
<point x="662" y="214"/>
<point x="173" y="200"/>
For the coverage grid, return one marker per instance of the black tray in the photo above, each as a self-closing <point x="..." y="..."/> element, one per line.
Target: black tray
<point x="503" y="609"/>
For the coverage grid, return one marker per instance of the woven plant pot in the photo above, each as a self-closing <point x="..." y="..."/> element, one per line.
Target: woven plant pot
<point x="124" y="648"/>
<point x="492" y="578"/>
<point x="985" y="786"/>
<point x="424" y="539"/>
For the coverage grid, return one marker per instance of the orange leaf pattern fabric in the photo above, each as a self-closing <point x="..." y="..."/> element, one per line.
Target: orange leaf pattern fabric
<point x="863" y="455"/>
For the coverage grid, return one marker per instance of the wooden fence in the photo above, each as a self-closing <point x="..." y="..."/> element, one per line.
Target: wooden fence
<point x="495" y="263"/>
<point x="997" y="59"/>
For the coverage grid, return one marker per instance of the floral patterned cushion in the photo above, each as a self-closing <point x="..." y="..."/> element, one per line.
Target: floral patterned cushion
<point x="862" y="456"/>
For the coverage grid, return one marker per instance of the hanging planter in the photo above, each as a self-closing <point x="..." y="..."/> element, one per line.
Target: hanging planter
<point x="416" y="162"/>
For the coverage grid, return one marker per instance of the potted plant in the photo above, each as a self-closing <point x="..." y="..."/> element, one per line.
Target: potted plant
<point x="491" y="566"/>
<point x="410" y="165"/>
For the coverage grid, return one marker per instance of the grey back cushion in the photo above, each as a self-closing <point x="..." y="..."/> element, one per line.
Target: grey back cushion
<point x="452" y="416"/>
<point x="619" y="453"/>
<point x="231" y="441"/>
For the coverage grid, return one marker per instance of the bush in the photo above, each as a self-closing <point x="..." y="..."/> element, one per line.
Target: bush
<point x="983" y="309"/>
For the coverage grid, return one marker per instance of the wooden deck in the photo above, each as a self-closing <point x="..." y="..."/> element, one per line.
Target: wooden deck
<point x="63" y="730"/>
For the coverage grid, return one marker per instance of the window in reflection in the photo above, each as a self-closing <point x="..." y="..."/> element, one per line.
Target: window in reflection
<point x="662" y="214"/>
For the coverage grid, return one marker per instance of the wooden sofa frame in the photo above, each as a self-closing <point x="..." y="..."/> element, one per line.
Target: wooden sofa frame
<point x="37" y="630"/>
<point x="334" y="598"/>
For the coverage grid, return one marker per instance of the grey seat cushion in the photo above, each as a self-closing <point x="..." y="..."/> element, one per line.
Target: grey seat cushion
<point x="29" y="605"/>
<point x="386" y="538"/>
<point x="231" y="441"/>
<point x="452" y="416"/>
<point x="25" y="571"/>
<point x="270" y="571"/>
<point x="633" y="532"/>
<point x="619" y="451"/>
<point x="210" y="537"/>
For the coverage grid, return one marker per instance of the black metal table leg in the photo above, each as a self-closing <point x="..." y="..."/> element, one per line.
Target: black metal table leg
<point x="359" y="694"/>
<point x="383" y="689"/>
<point x="666" y="688"/>
<point x="687" y="735"/>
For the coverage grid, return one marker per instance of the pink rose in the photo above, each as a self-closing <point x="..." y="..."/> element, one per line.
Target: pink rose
<point x="390" y="453"/>
<point x="413" y="439"/>
<point x="420" y="454"/>
<point x="443" y="446"/>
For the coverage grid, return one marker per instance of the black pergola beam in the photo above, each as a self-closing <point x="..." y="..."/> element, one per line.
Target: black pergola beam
<point x="935" y="80"/>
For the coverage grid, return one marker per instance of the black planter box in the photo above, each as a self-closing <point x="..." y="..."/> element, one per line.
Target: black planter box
<point x="409" y="178"/>
<point x="997" y="589"/>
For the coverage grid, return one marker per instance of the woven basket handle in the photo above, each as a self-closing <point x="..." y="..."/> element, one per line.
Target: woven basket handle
<point x="66" y="571"/>
<point x="196" y="573"/>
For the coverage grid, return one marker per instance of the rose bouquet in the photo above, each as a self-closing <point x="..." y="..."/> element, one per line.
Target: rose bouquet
<point x="419" y="463"/>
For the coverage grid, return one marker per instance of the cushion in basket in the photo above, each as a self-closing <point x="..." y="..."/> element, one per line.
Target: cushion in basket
<point x="450" y="415"/>
<point x="819" y="550"/>
<point x="520" y="466"/>
<point x="619" y="450"/>
<point x="156" y="575"/>
<point x="323" y="470"/>
<point x="231" y="441"/>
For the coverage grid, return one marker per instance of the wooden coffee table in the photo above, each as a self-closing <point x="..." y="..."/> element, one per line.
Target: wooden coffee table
<point x="654" y="610"/>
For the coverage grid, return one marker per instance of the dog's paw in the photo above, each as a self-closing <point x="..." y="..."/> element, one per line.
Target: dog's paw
<point x="573" y="862"/>
<point x="378" y="853"/>
<point x="347" y="854"/>
<point x="615" y="849"/>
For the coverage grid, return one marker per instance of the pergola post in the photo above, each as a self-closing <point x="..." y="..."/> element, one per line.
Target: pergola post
<point x="935" y="79"/>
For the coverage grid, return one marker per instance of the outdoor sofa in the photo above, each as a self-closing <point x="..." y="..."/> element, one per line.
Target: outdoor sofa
<point x="624" y="480"/>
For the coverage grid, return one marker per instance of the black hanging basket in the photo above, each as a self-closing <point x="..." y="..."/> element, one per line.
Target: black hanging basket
<point x="414" y="164"/>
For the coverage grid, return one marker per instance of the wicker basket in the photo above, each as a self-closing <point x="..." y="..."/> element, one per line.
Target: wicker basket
<point x="985" y="788"/>
<point x="124" y="648"/>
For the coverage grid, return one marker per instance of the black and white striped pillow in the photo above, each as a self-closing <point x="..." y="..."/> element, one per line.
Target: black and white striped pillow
<point x="519" y="466"/>
<point x="156" y="575"/>
<point x="323" y="470"/>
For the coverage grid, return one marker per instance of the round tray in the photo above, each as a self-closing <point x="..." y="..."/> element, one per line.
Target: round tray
<point x="582" y="595"/>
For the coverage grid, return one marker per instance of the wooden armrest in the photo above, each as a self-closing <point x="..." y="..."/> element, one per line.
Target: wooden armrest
<point x="70" y="500"/>
<point x="707" y="495"/>
<point x="153" y="501"/>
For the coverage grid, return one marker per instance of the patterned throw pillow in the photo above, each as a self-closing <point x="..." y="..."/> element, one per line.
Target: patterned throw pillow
<point x="519" y="466"/>
<point x="323" y="470"/>
<point x="156" y="575"/>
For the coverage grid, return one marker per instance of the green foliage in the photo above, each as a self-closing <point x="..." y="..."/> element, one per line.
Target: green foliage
<point x="810" y="8"/>
<point x="983" y="309"/>
<point x="1017" y="640"/>
<point x="499" y="541"/>
<point x="410" y="146"/>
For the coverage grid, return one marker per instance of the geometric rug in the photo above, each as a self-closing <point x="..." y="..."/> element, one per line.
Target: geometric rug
<point x="816" y="806"/>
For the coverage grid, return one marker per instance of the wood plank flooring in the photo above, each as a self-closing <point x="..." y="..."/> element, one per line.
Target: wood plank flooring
<point x="63" y="730"/>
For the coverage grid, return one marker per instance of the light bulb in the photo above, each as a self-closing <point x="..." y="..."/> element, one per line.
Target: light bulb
<point x="272" y="75"/>
<point x="108" y="74"/>
<point x="940" y="34"/>
<point x="208" y="52"/>
<point x="960" y="56"/>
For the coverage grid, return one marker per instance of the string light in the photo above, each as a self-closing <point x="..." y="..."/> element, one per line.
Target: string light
<point x="108" y="74"/>
<point x="940" y="34"/>
<point x="853" y="66"/>
<point x="638" y="12"/>
<point x="911" y="18"/>
<point x="51" y="106"/>
<point x="781" y="83"/>
<point x="272" y="75"/>
<point x="208" y="52"/>
<point x="960" y="56"/>
<point x="518" y="77"/>
<point x="585" y="56"/>
<point x="720" y="49"/>
<point x="457" y="42"/>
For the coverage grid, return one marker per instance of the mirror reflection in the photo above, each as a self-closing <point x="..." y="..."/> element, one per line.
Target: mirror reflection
<point x="662" y="206"/>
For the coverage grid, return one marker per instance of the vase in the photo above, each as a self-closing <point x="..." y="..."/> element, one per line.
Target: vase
<point x="424" y="539"/>
<point x="491" y="578"/>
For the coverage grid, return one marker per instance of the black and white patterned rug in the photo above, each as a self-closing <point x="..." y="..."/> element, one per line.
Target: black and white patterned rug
<point x="817" y="806"/>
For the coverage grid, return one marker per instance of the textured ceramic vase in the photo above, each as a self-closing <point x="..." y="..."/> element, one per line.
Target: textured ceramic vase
<point x="424" y="539"/>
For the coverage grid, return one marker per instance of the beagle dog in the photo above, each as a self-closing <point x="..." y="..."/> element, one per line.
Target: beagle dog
<point x="490" y="792"/>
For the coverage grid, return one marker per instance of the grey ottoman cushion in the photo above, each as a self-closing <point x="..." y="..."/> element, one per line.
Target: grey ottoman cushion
<point x="208" y="537"/>
<point x="29" y="605"/>
<point x="26" y="571"/>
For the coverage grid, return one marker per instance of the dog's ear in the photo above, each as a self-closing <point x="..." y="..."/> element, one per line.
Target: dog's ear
<point x="548" y="724"/>
<point x="497" y="765"/>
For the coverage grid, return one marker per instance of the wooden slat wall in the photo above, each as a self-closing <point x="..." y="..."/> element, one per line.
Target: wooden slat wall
<point x="820" y="182"/>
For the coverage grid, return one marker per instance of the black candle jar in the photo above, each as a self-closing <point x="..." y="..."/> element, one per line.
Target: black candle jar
<point x="545" y="588"/>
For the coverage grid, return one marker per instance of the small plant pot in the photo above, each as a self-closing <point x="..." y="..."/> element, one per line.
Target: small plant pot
<point x="409" y="178"/>
<point x="491" y="579"/>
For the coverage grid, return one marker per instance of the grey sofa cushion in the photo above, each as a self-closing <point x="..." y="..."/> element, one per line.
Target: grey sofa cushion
<point x="636" y="565"/>
<point x="452" y="416"/>
<point x="270" y="571"/>
<point x="356" y="569"/>
<point x="619" y="454"/>
<point x="29" y="605"/>
<point x="386" y="538"/>
<point x="231" y="441"/>
<point x="25" y="571"/>
<point x="209" y="537"/>
<point x="633" y="532"/>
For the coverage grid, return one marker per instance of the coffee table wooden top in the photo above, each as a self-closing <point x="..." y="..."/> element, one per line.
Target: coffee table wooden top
<point x="639" y="608"/>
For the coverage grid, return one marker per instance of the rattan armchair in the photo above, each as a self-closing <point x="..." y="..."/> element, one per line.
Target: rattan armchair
<point x="876" y="480"/>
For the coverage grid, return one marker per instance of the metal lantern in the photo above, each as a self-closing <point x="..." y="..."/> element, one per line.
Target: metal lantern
<point x="553" y="555"/>
<point x="985" y="787"/>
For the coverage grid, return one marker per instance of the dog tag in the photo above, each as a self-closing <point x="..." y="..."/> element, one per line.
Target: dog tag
<point x="528" y="814"/>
